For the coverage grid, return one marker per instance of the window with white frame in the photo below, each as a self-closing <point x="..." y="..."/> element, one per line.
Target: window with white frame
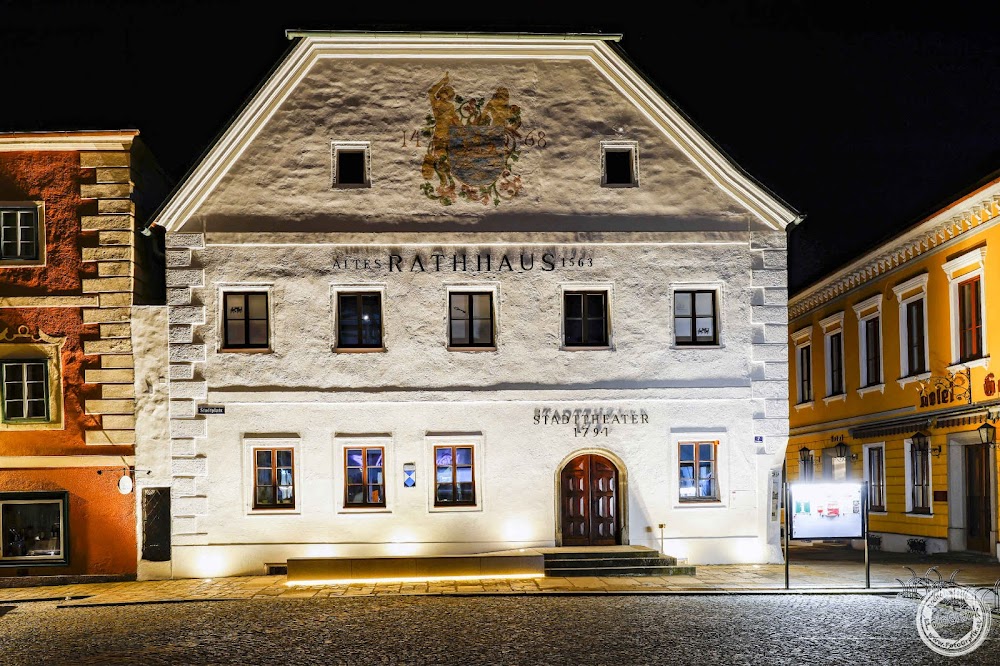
<point x="586" y="316"/>
<point x="619" y="164"/>
<point x="351" y="164"/>
<point x="272" y="473"/>
<point x="359" y="319"/>
<point x="833" y="353"/>
<point x="967" y="294"/>
<point x="917" y="475"/>
<point x="245" y="319"/>
<point x="22" y="237"/>
<point x="802" y="341"/>
<point x="456" y="461"/>
<point x="913" y="345"/>
<point x="34" y="528"/>
<point x="874" y="471"/>
<point x="869" y="313"/>
<point x="696" y="315"/>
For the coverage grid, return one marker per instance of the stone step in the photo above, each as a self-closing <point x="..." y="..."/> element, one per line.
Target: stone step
<point x="611" y="561"/>
<point x="577" y="554"/>
<point x="620" y="571"/>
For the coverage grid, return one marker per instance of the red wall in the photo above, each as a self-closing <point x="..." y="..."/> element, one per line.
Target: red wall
<point x="101" y="520"/>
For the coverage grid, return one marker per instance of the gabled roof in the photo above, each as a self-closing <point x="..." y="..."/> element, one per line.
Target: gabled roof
<point x="597" y="49"/>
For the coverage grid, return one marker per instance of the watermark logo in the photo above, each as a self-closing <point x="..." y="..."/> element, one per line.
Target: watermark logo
<point x="953" y="621"/>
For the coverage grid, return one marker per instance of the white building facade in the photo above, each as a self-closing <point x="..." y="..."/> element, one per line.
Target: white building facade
<point x="434" y="294"/>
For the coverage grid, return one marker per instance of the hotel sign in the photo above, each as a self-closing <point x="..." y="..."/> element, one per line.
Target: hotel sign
<point x="953" y="387"/>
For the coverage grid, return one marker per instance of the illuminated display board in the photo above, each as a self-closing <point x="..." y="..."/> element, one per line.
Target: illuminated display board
<point x="826" y="510"/>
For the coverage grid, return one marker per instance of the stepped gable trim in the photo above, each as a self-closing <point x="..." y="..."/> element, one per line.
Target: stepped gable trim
<point x="67" y="141"/>
<point x="310" y="47"/>
<point x="979" y="208"/>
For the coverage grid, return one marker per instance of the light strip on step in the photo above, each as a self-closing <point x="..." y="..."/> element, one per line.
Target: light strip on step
<point x="416" y="579"/>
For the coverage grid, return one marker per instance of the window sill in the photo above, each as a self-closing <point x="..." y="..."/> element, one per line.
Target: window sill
<point x="804" y="405"/>
<point x="18" y="263"/>
<point x="359" y="350"/>
<point x="363" y="509"/>
<point x="872" y="512"/>
<point x="914" y="514"/>
<point x="273" y="512"/>
<point x="471" y="349"/>
<point x="871" y="389"/>
<point x="710" y="504"/>
<point x="246" y="350"/>
<point x="458" y="509"/>
<point x="909" y="379"/>
<point x="974" y="363"/>
<point x="584" y="348"/>
<point x="834" y="398"/>
<point x="687" y="346"/>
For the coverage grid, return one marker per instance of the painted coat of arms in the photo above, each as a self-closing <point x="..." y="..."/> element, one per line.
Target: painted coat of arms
<point x="472" y="147"/>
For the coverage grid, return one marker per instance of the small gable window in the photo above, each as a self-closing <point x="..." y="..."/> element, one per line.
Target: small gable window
<point x="619" y="164"/>
<point x="351" y="164"/>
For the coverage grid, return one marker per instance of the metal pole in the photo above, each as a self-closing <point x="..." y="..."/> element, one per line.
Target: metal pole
<point x="864" y="514"/>
<point x="788" y="553"/>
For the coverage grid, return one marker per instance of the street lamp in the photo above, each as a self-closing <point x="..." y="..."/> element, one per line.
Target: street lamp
<point x="805" y="455"/>
<point x="840" y="451"/>
<point x="987" y="433"/>
<point x="805" y="464"/>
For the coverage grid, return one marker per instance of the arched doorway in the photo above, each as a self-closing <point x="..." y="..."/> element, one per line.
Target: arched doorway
<point x="589" y="502"/>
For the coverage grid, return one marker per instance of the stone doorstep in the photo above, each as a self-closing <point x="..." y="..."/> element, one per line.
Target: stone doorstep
<point x="302" y="569"/>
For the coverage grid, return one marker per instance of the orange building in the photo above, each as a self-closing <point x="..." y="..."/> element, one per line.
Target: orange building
<point x="71" y="267"/>
<point x="892" y="379"/>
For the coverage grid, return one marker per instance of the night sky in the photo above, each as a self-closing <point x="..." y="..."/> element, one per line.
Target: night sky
<point x="862" y="117"/>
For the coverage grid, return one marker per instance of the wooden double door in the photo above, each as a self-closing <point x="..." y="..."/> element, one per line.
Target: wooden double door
<point x="977" y="498"/>
<point x="589" y="502"/>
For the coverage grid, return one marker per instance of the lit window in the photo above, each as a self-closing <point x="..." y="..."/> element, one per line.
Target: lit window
<point x="33" y="528"/>
<point x="25" y="390"/>
<point x="19" y="233"/>
<point x="246" y="320"/>
<point x="364" y="474"/>
<point x="351" y="164"/>
<point x="273" y="483"/>
<point x="359" y="320"/>
<point x="470" y="319"/>
<point x="695" y="317"/>
<point x="454" y="483"/>
<point x="698" y="477"/>
<point x="619" y="164"/>
<point x="585" y="322"/>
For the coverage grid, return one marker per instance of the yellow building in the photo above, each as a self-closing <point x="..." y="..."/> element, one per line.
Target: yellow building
<point x="892" y="379"/>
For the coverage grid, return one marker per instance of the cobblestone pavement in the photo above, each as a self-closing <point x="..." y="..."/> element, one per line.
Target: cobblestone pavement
<point x="579" y="630"/>
<point x="842" y="572"/>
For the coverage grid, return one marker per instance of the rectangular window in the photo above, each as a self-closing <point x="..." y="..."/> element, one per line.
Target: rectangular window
<point x="359" y="320"/>
<point x="470" y="319"/>
<point x="695" y="317"/>
<point x="25" y="390"/>
<point x="453" y="483"/>
<point x="916" y="359"/>
<point x="970" y="321"/>
<point x="351" y="164"/>
<point x="876" y="478"/>
<point x="805" y="374"/>
<point x="364" y="475"/>
<point x="273" y="480"/>
<point x="698" y="478"/>
<point x="33" y="528"/>
<point x="585" y="318"/>
<point x="619" y="164"/>
<point x="920" y="474"/>
<point x="836" y="364"/>
<point x="246" y="320"/>
<point x="873" y="352"/>
<point x="19" y="235"/>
